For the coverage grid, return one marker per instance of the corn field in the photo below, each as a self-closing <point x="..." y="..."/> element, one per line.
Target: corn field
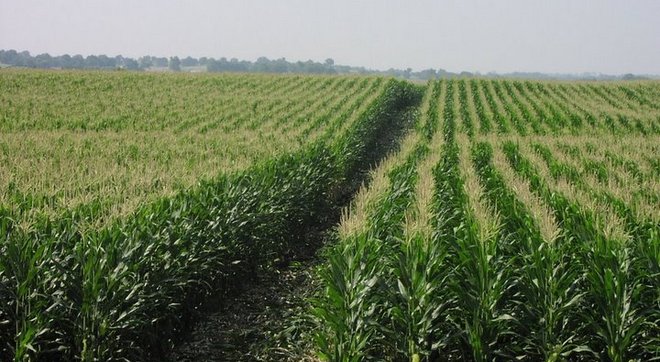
<point x="508" y="220"/>
<point x="517" y="220"/>
<point x="129" y="199"/>
<point x="106" y="143"/>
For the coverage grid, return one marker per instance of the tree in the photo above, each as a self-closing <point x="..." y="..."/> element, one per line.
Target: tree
<point x="9" y="57"/>
<point x="280" y="65"/>
<point x="65" y="61"/>
<point x="131" y="64"/>
<point x="160" y="62"/>
<point x="145" y="62"/>
<point x="44" y="61"/>
<point x="92" y="61"/>
<point x="261" y="65"/>
<point x="175" y="64"/>
<point x="77" y="61"/>
<point x="189" y="62"/>
<point x="106" y="62"/>
<point x="428" y="74"/>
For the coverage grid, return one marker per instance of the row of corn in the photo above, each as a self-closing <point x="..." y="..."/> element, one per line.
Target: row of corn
<point x="485" y="247"/>
<point x="125" y="291"/>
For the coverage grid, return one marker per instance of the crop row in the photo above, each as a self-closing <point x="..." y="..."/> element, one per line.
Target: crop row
<point x="110" y="172"/>
<point x="122" y="291"/>
<point x="517" y="219"/>
<point x="487" y="257"/>
<point x="525" y="107"/>
<point x="620" y="271"/>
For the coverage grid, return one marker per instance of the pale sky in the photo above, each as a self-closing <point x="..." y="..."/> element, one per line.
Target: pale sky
<point x="553" y="36"/>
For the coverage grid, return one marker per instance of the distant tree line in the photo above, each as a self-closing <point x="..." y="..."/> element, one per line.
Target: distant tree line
<point x="66" y="61"/>
<point x="565" y="76"/>
<point x="265" y="65"/>
<point x="261" y="65"/>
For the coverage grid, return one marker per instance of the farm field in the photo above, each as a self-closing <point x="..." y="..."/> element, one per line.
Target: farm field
<point x="519" y="220"/>
<point x="129" y="199"/>
<point x="496" y="219"/>
<point x="110" y="142"/>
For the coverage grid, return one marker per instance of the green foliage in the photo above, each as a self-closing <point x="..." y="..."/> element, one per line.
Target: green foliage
<point x="349" y="308"/>
<point x="120" y="292"/>
<point x="617" y="313"/>
<point x="76" y="284"/>
<point x="545" y="294"/>
<point x="543" y="285"/>
<point x="421" y="296"/>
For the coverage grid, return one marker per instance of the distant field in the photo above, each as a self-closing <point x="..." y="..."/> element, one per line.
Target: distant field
<point x="117" y="140"/>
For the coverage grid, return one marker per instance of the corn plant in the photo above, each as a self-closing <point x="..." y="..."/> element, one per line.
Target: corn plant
<point x="23" y="262"/>
<point x="463" y="108"/>
<point x="525" y="113"/>
<point x="498" y="118"/>
<point x="484" y="122"/>
<point x="612" y="294"/>
<point x="511" y="114"/>
<point x="350" y="306"/>
<point x="421" y="297"/>
<point x="549" y="285"/>
<point x="477" y="281"/>
<point x="398" y="295"/>
<point x="111" y="240"/>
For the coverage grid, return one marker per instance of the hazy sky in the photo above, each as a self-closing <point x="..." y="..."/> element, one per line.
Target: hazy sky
<point x="574" y="36"/>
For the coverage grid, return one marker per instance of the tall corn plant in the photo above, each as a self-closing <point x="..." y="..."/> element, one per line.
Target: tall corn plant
<point x="7" y="323"/>
<point x="359" y="312"/>
<point x="477" y="281"/>
<point x="112" y="304"/>
<point x="613" y="293"/>
<point x="480" y="274"/>
<point x="22" y="264"/>
<point x="429" y="128"/>
<point x="416" y="284"/>
<point x="478" y="284"/>
<point x="32" y="279"/>
<point x="414" y="292"/>
<point x="637" y="263"/>
<point x="645" y="267"/>
<point x="349" y="306"/>
<point x="122" y="291"/>
<point x="418" y="279"/>
<point x="484" y="122"/>
<point x="611" y="315"/>
<point x="549" y="283"/>
<point x="383" y="122"/>
<point x="549" y="287"/>
<point x="387" y="217"/>
<point x="419" y="297"/>
<point x="633" y="269"/>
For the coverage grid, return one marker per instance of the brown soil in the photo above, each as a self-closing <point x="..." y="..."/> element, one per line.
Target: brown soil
<point x="267" y="321"/>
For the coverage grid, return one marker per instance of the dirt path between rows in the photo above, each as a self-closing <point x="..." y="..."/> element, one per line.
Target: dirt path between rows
<point x="266" y="321"/>
<point x="269" y="319"/>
